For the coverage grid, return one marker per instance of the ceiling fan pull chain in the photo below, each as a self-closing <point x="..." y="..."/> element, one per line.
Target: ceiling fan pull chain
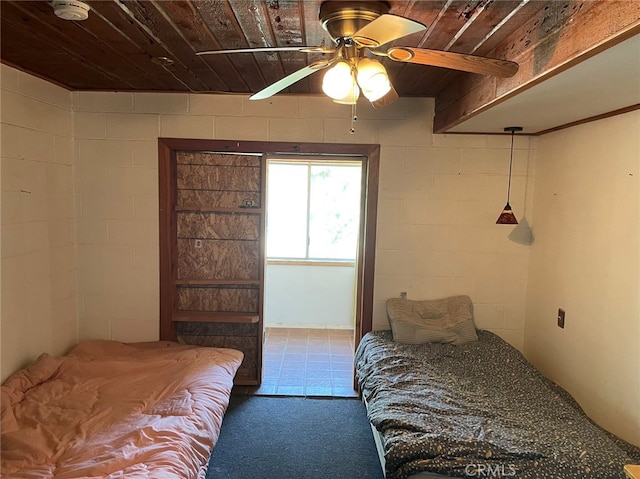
<point x="354" y="118"/>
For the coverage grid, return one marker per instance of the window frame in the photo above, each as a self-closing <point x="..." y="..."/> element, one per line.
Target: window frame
<point x="309" y="162"/>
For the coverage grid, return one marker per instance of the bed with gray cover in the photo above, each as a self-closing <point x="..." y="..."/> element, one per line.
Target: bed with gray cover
<point x="477" y="409"/>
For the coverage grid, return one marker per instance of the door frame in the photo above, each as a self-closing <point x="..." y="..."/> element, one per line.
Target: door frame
<point x="369" y="154"/>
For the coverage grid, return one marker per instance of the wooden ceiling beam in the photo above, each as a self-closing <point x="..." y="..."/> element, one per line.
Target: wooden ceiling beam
<point x="561" y="35"/>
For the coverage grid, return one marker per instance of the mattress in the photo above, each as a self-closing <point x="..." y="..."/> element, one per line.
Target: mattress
<point x="115" y="410"/>
<point x="478" y="410"/>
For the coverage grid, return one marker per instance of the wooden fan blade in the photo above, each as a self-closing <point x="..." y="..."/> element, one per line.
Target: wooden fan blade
<point x="269" y="49"/>
<point x="291" y="79"/>
<point x="385" y="29"/>
<point x="388" y="99"/>
<point x="455" y="61"/>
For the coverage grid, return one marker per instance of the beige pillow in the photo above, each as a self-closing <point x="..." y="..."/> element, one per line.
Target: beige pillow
<point x="446" y="320"/>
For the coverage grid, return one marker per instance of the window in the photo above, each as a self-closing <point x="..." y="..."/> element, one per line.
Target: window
<point x="313" y="209"/>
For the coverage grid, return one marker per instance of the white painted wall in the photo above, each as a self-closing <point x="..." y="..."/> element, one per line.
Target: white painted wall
<point x="309" y="296"/>
<point x="586" y="260"/>
<point x="38" y="277"/>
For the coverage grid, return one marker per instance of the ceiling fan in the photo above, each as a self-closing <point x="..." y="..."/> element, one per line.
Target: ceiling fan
<point x="359" y="29"/>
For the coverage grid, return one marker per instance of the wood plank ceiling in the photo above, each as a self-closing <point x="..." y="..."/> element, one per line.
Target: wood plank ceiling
<point x="121" y="45"/>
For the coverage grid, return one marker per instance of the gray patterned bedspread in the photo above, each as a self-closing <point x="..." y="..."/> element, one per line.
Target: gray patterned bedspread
<point x="479" y="410"/>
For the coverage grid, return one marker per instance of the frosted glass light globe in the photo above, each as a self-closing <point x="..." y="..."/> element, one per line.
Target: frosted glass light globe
<point x="373" y="79"/>
<point x="338" y="81"/>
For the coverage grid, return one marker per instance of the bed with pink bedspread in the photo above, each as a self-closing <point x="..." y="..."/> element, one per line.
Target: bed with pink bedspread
<point x="116" y="410"/>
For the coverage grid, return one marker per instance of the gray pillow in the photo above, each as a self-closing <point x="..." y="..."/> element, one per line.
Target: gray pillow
<point x="446" y="320"/>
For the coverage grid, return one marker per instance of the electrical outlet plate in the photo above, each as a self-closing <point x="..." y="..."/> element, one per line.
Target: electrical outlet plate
<point x="561" y="318"/>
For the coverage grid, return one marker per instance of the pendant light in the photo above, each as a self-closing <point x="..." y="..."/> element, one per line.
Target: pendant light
<point x="507" y="217"/>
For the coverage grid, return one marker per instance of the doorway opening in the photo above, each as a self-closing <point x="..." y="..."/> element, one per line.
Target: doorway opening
<point x="237" y="330"/>
<point x="313" y="223"/>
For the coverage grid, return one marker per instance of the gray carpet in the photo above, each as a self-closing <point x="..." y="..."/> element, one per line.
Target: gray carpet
<point x="267" y="437"/>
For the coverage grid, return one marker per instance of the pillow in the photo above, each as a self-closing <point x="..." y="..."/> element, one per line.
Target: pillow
<point x="446" y="320"/>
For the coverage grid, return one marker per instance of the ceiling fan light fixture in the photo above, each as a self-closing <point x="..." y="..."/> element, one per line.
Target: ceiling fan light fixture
<point x="338" y="81"/>
<point x="359" y="28"/>
<point x="351" y="98"/>
<point x="373" y="79"/>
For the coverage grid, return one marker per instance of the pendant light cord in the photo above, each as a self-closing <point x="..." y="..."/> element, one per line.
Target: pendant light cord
<point x="510" y="165"/>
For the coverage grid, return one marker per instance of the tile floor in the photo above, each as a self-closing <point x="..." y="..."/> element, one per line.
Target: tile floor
<point x="308" y="362"/>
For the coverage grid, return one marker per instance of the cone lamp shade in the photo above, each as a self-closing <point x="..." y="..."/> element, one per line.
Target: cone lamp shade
<point x="507" y="217"/>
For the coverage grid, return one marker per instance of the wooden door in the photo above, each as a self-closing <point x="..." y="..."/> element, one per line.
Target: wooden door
<point x="217" y="259"/>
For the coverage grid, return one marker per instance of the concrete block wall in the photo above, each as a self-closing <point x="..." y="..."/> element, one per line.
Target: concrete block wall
<point x="439" y="198"/>
<point x="38" y="280"/>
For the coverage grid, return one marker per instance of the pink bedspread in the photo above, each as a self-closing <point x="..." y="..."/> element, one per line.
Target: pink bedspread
<point x="115" y="410"/>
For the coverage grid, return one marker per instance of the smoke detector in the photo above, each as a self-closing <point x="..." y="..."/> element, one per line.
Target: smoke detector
<point x="71" y="9"/>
